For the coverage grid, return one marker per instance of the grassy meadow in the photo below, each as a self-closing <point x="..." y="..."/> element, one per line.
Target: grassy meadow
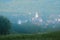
<point x="45" y="36"/>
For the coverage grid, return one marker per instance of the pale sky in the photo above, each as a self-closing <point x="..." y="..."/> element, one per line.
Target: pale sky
<point x="43" y="6"/>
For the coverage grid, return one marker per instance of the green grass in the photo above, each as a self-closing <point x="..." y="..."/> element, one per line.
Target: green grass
<point x="46" y="36"/>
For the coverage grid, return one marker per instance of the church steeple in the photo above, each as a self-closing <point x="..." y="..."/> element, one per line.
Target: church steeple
<point x="36" y="15"/>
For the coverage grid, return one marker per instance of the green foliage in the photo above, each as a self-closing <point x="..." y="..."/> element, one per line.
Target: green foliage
<point x="4" y="25"/>
<point x="46" y="36"/>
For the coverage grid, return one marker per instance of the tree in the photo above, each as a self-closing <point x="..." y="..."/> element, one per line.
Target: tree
<point x="5" y="25"/>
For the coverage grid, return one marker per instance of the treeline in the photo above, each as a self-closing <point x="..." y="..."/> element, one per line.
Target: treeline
<point x="5" y="25"/>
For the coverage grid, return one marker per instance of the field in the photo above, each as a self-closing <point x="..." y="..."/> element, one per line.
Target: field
<point x="45" y="36"/>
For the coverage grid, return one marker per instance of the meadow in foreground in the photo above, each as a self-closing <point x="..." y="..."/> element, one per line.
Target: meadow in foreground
<point x="46" y="36"/>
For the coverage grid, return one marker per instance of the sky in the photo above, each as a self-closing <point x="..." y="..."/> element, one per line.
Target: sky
<point x="41" y="6"/>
